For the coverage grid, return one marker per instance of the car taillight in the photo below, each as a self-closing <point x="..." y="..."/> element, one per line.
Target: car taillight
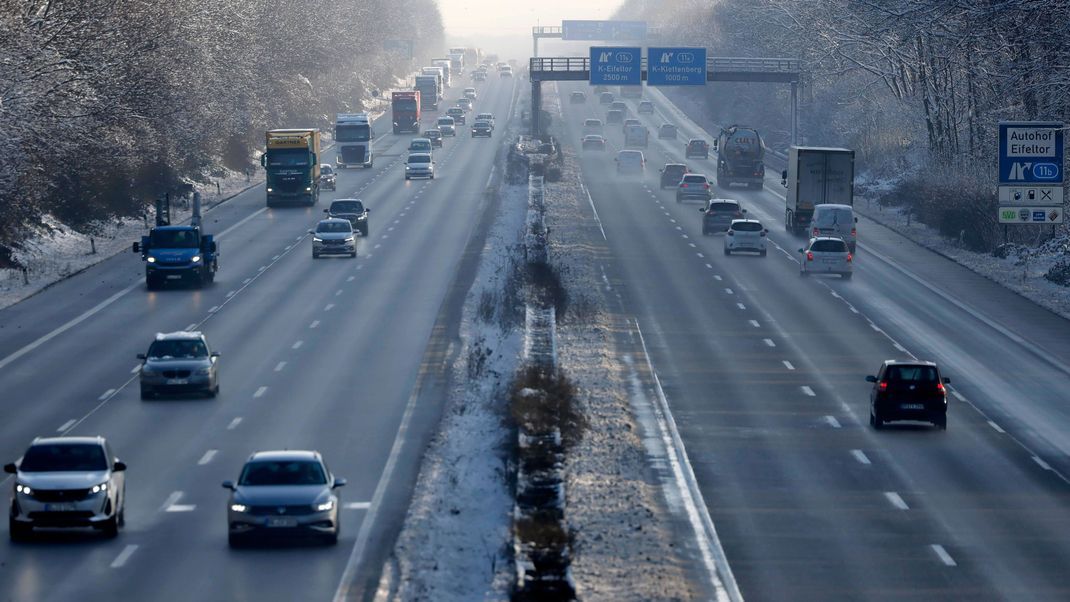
<point x="683" y="185"/>
<point x="883" y="386"/>
<point x="940" y="387"/>
<point x="816" y="232"/>
<point x="849" y="257"/>
<point x="809" y="256"/>
<point x="707" y="186"/>
<point x="854" y="231"/>
<point x="739" y="214"/>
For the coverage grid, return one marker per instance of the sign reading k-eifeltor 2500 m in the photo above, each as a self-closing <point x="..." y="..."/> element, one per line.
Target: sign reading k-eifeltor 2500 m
<point x="616" y="65"/>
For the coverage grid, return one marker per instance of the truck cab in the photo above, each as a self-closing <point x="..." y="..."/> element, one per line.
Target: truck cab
<point x="293" y="169"/>
<point x="178" y="254"/>
<point x="353" y="134"/>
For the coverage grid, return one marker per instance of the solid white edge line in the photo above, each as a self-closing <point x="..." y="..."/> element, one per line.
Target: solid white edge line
<point x="181" y="508"/>
<point x="124" y="556"/>
<point x="597" y="219"/>
<point x="1041" y="463"/>
<point x="723" y="581"/>
<point x="997" y="427"/>
<point x="788" y="364"/>
<point x="808" y="391"/>
<point x="896" y="500"/>
<point x="66" y="425"/>
<point x="943" y="555"/>
<point x="357" y="505"/>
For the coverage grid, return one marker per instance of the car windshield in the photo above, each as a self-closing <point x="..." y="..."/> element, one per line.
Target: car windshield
<point x="288" y="157"/>
<point x="455" y="111"/>
<point x="352" y="132"/>
<point x="695" y="179"/>
<point x="482" y="124"/>
<point x="298" y="472"/>
<point x="834" y="216"/>
<point x="445" y="121"/>
<point x="829" y="246"/>
<point x="747" y="227"/>
<point x="432" y="134"/>
<point x="420" y="144"/>
<point x="911" y="374"/>
<point x="347" y="207"/>
<point x="675" y="169"/>
<point x="724" y="207"/>
<point x="175" y="239"/>
<point x="333" y="227"/>
<point x="178" y="349"/>
<point x="62" y="457"/>
<point x="419" y="158"/>
<point x="697" y="144"/>
<point x="631" y="155"/>
<point x="485" y="116"/>
<point x="326" y="170"/>
<point x="592" y="122"/>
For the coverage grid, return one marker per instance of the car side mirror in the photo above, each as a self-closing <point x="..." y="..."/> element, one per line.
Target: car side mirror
<point x="213" y="247"/>
<point x="743" y="211"/>
<point x="10" y="468"/>
<point x="701" y="210"/>
<point x="328" y="211"/>
<point x="802" y="250"/>
<point x="947" y="381"/>
<point x="871" y="379"/>
<point x="142" y="356"/>
<point x="339" y="482"/>
<point x="311" y="232"/>
<point x="137" y="247"/>
<point x="118" y="466"/>
<point x="714" y="145"/>
<point x="856" y="220"/>
<point x="228" y="485"/>
<point x="215" y="354"/>
<point x="367" y="211"/>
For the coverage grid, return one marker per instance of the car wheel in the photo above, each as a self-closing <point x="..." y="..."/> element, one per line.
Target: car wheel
<point x="364" y="231"/>
<point x="941" y="422"/>
<point x="146" y="393"/>
<point x="122" y="513"/>
<point x="877" y="421"/>
<point x="705" y="232"/>
<point x="761" y="253"/>
<point x="111" y="527"/>
<point x="213" y="392"/>
<point x="235" y="541"/>
<point x="353" y="255"/>
<point x="727" y="251"/>
<point x="848" y="275"/>
<point x="315" y="255"/>
<point x="19" y="531"/>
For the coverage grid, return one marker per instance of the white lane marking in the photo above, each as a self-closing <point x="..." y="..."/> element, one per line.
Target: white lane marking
<point x="674" y="221"/>
<point x="832" y="422"/>
<point x="375" y="247"/>
<point x="701" y="256"/>
<point x="716" y="277"/>
<point x="357" y="505"/>
<point x="835" y="294"/>
<point x="351" y="279"/>
<point x="385" y="236"/>
<point x="181" y="507"/>
<point x="207" y="457"/>
<point x="755" y="323"/>
<point x="997" y="427"/>
<point x="942" y="554"/>
<point x="297" y="345"/>
<point x="958" y="396"/>
<point x="106" y="394"/>
<point x="729" y="291"/>
<point x="900" y="347"/>
<point x="124" y="556"/>
<point x="788" y="364"/>
<point x="808" y="391"/>
<point x="709" y="266"/>
<point x="279" y="366"/>
<point x="328" y="307"/>
<point x="338" y="293"/>
<point x="234" y="423"/>
<point x="361" y="266"/>
<point x="171" y="500"/>
<point x="769" y="342"/>
<point x="852" y="308"/>
<point x="231" y="294"/>
<point x="260" y="392"/>
<point x="247" y="281"/>
<point x="135" y="369"/>
<point x="860" y="456"/>
<point x="896" y="500"/>
<point x="261" y="268"/>
<point x="191" y="326"/>
<point x="692" y="245"/>
<point x="741" y="306"/>
<point x="314" y="324"/>
<point x="213" y="309"/>
<point x="66" y="425"/>
<point x="288" y="247"/>
<point x="874" y="327"/>
<point x="275" y="258"/>
<point x="684" y="235"/>
<point x="1041" y="463"/>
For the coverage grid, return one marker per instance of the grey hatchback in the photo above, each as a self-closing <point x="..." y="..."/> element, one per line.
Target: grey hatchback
<point x="283" y="493"/>
<point x="179" y="362"/>
<point x="718" y="214"/>
<point x="908" y="390"/>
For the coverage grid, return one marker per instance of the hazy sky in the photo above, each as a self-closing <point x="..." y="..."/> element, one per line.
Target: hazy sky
<point x="475" y="17"/>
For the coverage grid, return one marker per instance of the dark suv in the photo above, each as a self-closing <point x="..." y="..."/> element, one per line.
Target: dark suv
<point x="718" y="214"/>
<point x="908" y="390"/>
<point x="672" y="173"/>
<point x="352" y="210"/>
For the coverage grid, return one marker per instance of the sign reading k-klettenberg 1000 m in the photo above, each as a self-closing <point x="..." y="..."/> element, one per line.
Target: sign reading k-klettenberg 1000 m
<point x="1031" y="172"/>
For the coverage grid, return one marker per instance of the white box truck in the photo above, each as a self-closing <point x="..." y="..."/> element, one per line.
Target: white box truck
<point x="816" y="176"/>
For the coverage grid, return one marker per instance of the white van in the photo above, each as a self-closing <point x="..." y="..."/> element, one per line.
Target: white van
<point x="631" y="162"/>
<point x="837" y="221"/>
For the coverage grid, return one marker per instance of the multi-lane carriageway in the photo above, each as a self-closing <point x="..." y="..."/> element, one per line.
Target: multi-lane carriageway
<point x="339" y="355"/>
<point x="764" y="373"/>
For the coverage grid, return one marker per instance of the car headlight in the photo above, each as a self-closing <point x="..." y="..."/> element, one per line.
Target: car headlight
<point x="308" y="189"/>
<point x="239" y="507"/>
<point x="350" y="239"/>
<point x="196" y="259"/>
<point x="270" y="190"/>
<point x="99" y="488"/>
<point x="325" y="506"/>
<point x="360" y="217"/>
<point x="314" y="239"/>
<point x="23" y="489"/>
<point x="407" y="168"/>
<point x="204" y="371"/>
<point x="150" y="259"/>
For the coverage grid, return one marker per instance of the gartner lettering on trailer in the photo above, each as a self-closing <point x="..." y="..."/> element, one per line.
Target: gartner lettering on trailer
<point x="1031" y="152"/>
<point x="676" y="66"/>
<point x="616" y="65"/>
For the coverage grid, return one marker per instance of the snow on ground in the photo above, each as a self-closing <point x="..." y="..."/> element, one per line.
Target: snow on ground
<point x="59" y="251"/>
<point x="455" y="543"/>
<point x="1022" y="271"/>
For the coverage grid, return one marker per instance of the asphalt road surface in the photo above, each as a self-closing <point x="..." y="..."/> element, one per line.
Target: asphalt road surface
<point x="764" y="373"/>
<point x="331" y="354"/>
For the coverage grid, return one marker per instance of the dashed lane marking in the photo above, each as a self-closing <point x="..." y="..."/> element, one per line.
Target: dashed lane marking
<point x="314" y="324"/>
<point x="741" y="306"/>
<point x="788" y="364"/>
<point x="860" y="456"/>
<point x="357" y="505"/>
<point x="755" y="324"/>
<point x="124" y="556"/>
<point x="234" y="423"/>
<point x="279" y="366"/>
<point x="808" y="391"/>
<point x="769" y="342"/>
<point x="831" y="420"/>
<point x="1041" y="463"/>
<point x="106" y="394"/>
<point x="207" y="457"/>
<point x="297" y="345"/>
<point x="896" y="500"/>
<point x="260" y="392"/>
<point x="942" y="554"/>
<point x="996" y="427"/>
<point x="66" y="425"/>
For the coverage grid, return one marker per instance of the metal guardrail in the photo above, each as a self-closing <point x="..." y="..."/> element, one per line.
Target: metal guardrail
<point x="548" y="31"/>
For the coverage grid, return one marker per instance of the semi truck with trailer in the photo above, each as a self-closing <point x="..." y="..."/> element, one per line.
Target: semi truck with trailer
<point x="740" y="157"/>
<point x="178" y="253"/>
<point x="447" y="71"/>
<point x="405" y="111"/>
<point x="354" y="138"/>
<point x="430" y="92"/>
<point x="291" y="160"/>
<point x="816" y="176"/>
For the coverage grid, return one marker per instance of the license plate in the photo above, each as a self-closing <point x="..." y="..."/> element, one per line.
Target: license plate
<point x="912" y="406"/>
<point x="281" y="521"/>
<point x="178" y="381"/>
<point x="174" y="277"/>
<point x="59" y="507"/>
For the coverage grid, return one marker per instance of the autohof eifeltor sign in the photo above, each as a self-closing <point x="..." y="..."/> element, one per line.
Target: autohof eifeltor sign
<point x="1031" y="174"/>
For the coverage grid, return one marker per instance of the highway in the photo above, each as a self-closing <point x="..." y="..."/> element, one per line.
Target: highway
<point x="764" y="373"/>
<point x="338" y="355"/>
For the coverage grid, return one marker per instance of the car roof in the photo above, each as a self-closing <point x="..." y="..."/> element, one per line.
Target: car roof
<point x="834" y="206"/>
<point x="909" y="363"/>
<point x="668" y="125"/>
<point x="179" y="335"/>
<point x="630" y="152"/>
<point x="284" y="455"/>
<point x="333" y="220"/>
<point x="82" y="440"/>
<point x="817" y="238"/>
<point x="421" y="139"/>
<point x="428" y="155"/>
<point x="724" y="201"/>
<point x="593" y="136"/>
<point x="694" y="140"/>
<point x="668" y="165"/>
<point x="696" y="175"/>
<point x="174" y="227"/>
<point x="748" y="220"/>
<point x="346" y="201"/>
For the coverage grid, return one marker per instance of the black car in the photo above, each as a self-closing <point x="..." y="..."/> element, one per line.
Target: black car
<point x="457" y="113"/>
<point x="697" y="149"/>
<point x="718" y="214"/>
<point x="577" y="98"/>
<point x="482" y="128"/>
<point x="352" y="210"/>
<point x="672" y="173"/>
<point x="908" y="390"/>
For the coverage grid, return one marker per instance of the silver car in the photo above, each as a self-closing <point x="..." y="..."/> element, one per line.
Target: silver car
<point x="67" y="482"/>
<point x="827" y="255"/>
<point x="333" y="236"/>
<point x="179" y="362"/>
<point x="419" y="165"/>
<point x="447" y="126"/>
<point x="283" y="493"/>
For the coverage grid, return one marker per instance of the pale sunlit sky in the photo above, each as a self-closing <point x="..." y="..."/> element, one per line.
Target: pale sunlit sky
<point x="494" y="17"/>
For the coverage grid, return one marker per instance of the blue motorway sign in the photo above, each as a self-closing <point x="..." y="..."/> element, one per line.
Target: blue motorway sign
<point x="616" y="65"/>
<point x="605" y="31"/>
<point x="676" y="66"/>
<point x="1030" y="152"/>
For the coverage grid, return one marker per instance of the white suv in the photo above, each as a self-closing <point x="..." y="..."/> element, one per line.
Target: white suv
<point x="67" y="482"/>
<point x="745" y="235"/>
<point x="826" y="255"/>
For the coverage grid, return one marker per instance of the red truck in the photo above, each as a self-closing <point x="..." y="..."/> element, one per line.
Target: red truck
<point x="405" y="107"/>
